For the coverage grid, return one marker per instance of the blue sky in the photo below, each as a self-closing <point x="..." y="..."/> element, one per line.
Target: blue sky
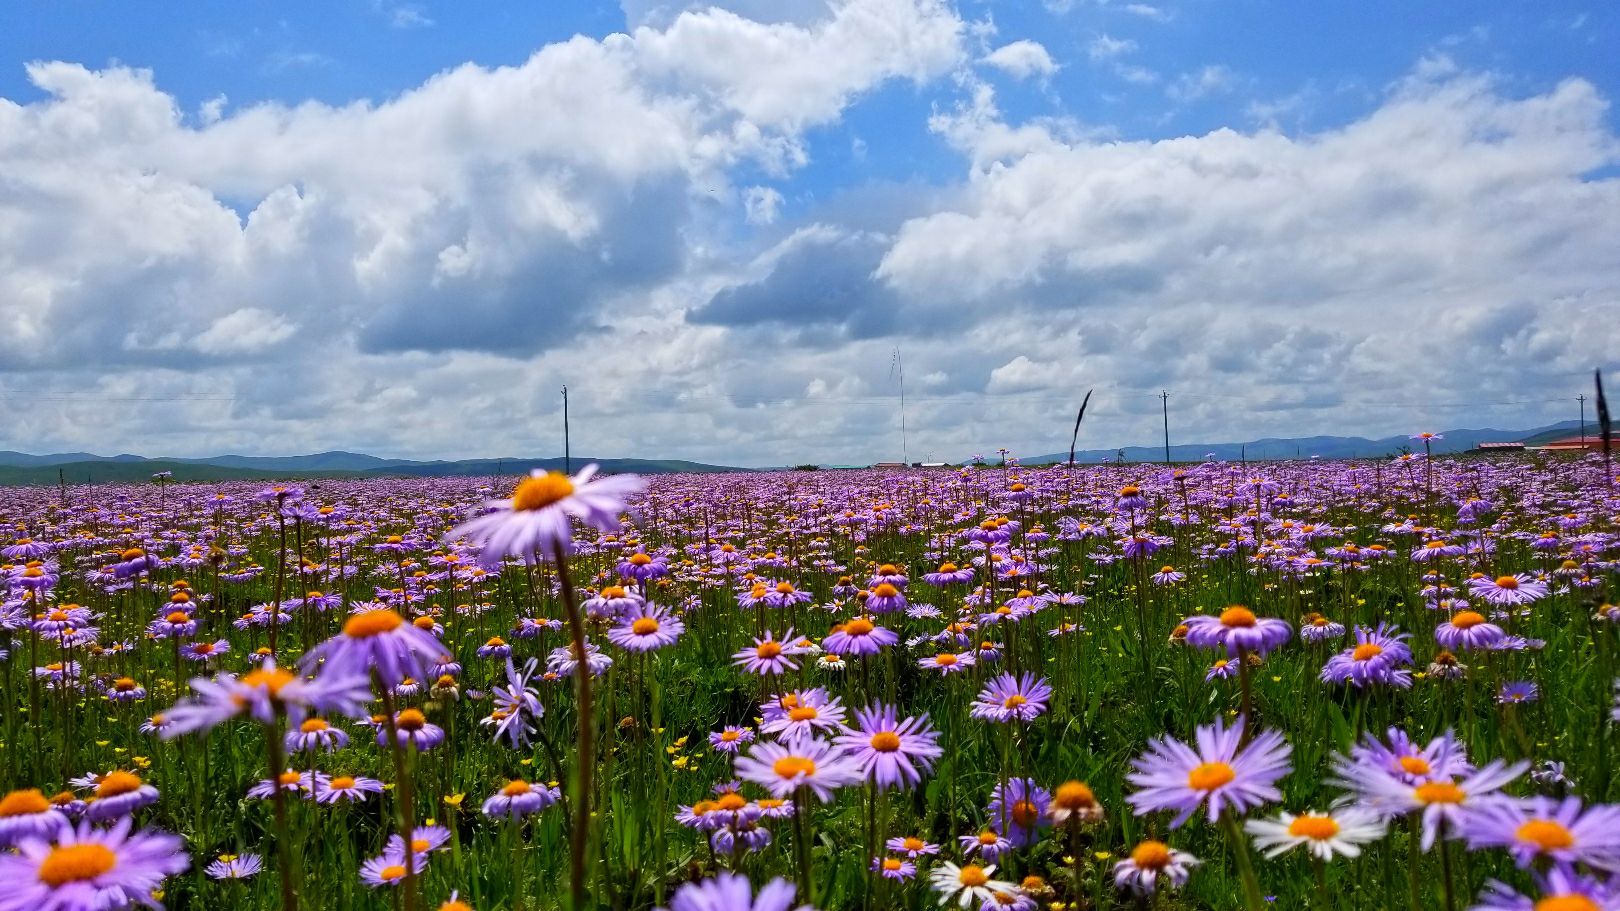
<point x="286" y="220"/>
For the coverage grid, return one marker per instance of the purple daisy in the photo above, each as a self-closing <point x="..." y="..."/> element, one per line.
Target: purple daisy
<point x="535" y="520"/>
<point x="891" y="752"/>
<point x="732" y="892"/>
<point x="1220" y="772"/>
<point x="1009" y="698"/>
<point x="859" y="637"/>
<point x="1540" y="828"/>
<point x="653" y="627"/>
<point x="1238" y="630"/>
<point x="89" y="868"/>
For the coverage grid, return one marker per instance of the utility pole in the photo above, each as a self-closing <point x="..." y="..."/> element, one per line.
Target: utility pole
<point x="1582" y="399"/>
<point x="1164" y="404"/>
<point x="898" y="369"/>
<point x="568" y="457"/>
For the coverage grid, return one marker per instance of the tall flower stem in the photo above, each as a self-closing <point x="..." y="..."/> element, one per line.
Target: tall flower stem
<point x="402" y="779"/>
<point x="278" y="763"/>
<point x="801" y="841"/>
<point x="1240" y="850"/>
<point x="579" y="838"/>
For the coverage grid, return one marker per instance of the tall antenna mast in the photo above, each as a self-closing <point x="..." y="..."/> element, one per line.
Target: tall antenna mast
<point x="897" y="369"/>
<point x="568" y="457"/>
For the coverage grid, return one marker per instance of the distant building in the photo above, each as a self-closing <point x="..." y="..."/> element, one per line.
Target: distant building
<point x="890" y="465"/>
<point x="1592" y="443"/>
<point x="1517" y="446"/>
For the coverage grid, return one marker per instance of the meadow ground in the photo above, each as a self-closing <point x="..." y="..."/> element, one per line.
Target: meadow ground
<point x="1300" y="685"/>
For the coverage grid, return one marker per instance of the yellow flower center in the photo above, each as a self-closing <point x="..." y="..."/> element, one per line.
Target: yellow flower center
<point x="410" y="720"/>
<point x="1014" y="701"/>
<point x="860" y="626"/>
<point x="1415" y="765"/>
<point x="644" y="626"/>
<point x="731" y="801"/>
<point x="768" y="650"/>
<point x="804" y="713"/>
<point x="313" y="725"/>
<point x="1074" y="795"/>
<point x="794" y="766"/>
<point x="1316" y="828"/>
<point x="1567" y="903"/>
<point x="1467" y="619"/>
<point x="370" y="623"/>
<point x="341" y="783"/>
<point x="393" y="873"/>
<point x="885" y="741"/>
<point x="540" y="491"/>
<point x="1439" y="792"/>
<point x="272" y="679"/>
<point x="972" y="876"/>
<point x="1025" y="813"/>
<point x="1210" y="775"/>
<point x="640" y="559"/>
<point x="730" y="736"/>
<point x="1508" y="582"/>
<point x="1151" y="855"/>
<point x="988" y="837"/>
<point x="912" y="843"/>
<point x="23" y="803"/>
<point x="1238" y="615"/>
<point x="115" y="783"/>
<point x="945" y="660"/>
<point x="1367" y="651"/>
<point x="891" y="864"/>
<point x="76" y="863"/>
<point x="1546" y="835"/>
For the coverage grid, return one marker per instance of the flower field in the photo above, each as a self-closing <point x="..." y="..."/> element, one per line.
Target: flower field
<point x="1294" y="685"/>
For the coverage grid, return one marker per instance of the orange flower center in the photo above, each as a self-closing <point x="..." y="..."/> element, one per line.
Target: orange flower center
<point x="516" y="788"/>
<point x="1151" y="855"/>
<point x="1025" y="813"/>
<point x="972" y="876"/>
<point x="803" y="713"/>
<point x="1508" y="582"/>
<point x="1546" y="835"/>
<point x="1238" y="615"/>
<point x="793" y="767"/>
<point x="1316" y="828"/>
<point x="1367" y="651"/>
<point x="410" y="720"/>
<point x="538" y="492"/>
<point x="1439" y="792"/>
<point x="860" y="626"/>
<point x="945" y="660"/>
<point x="272" y="679"/>
<point x="1415" y="765"/>
<point x="76" y="863"/>
<point x="1074" y="795"/>
<point x="644" y="626"/>
<point x="23" y="803"/>
<point x="370" y="623"/>
<point x="341" y="783"/>
<point x="768" y="650"/>
<point x="1210" y="775"/>
<point x="115" y="783"/>
<point x="1467" y="619"/>
<point x="885" y="741"/>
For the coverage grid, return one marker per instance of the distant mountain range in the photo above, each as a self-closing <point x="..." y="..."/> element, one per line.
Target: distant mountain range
<point x="1327" y="447"/>
<point x="84" y="467"/>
